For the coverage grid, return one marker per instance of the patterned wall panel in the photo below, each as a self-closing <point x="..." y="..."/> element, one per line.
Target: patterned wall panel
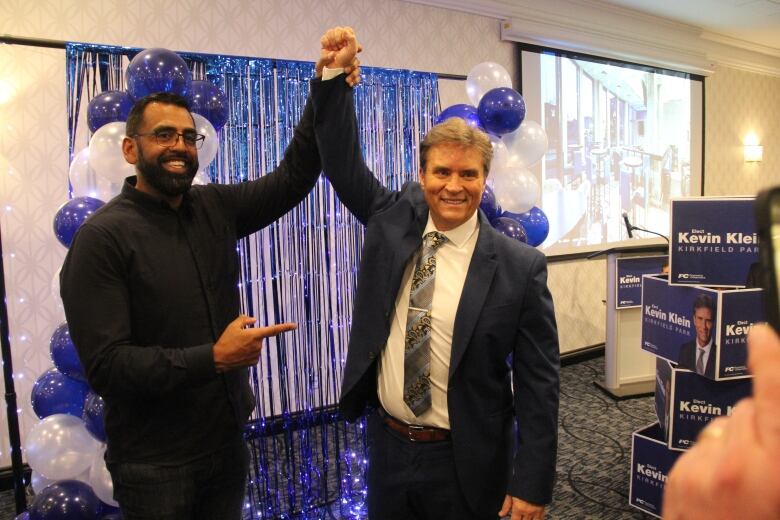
<point x="737" y="103"/>
<point x="395" y="34"/>
<point x="33" y="183"/>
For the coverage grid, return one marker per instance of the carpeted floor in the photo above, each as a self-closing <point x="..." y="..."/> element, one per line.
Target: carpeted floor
<point x="594" y="451"/>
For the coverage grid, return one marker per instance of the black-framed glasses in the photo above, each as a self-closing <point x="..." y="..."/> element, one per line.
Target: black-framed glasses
<point x="169" y="138"/>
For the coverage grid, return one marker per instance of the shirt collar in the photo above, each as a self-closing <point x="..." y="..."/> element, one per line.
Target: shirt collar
<point x="707" y="346"/>
<point x="459" y="235"/>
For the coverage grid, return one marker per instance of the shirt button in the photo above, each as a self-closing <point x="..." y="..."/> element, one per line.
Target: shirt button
<point x="371" y="355"/>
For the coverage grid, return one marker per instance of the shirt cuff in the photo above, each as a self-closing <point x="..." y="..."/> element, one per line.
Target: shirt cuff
<point x="331" y="73"/>
<point x="200" y="362"/>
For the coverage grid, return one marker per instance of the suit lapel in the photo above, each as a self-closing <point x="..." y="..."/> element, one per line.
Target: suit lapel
<point x="478" y="280"/>
<point x="403" y="249"/>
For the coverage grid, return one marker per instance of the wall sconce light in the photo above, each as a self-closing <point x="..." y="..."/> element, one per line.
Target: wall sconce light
<point x="754" y="152"/>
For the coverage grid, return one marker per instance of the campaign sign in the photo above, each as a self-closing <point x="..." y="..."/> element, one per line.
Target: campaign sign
<point x="713" y="241"/>
<point x="629" y="278"/>
<point x="739" y="310"/>
<point x="692" y="401"/>
<point x="663" y="394"/>
<point x="667" y="315"/>
<point x="677" y="320"/>
<point x="651" y="461"/>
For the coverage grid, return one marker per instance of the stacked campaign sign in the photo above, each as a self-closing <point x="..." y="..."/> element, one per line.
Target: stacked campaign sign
<point x="696" y="321"/>
<point x="714" y="241"/>
<point x="673" y="317"/>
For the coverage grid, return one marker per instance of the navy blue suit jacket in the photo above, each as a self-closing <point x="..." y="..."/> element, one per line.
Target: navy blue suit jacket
<point x="687" y="358"/>
<point x="504" y="366"/>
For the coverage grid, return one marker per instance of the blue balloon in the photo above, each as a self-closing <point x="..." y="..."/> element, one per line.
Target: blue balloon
<point x="501" y="110"/>
<point x="157" y="70"/>
<point x="107" y="107"/>
<point x="209" y="101"/>
<point x="71" y="215"/>
<point x="93" y="416"/>
<point x="463" y="111"/>
<point x="65" y="500"/>
<point x="535" y="223"/>
<point x="23" y="516"/>
<point x="511" y="228"/>
<point x="54" y="392"/>
<point x="489" y="204"/>
<point x="63" y="353"/>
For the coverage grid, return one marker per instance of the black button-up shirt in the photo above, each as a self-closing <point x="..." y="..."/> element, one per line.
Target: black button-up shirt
<point x="148" y="290"/>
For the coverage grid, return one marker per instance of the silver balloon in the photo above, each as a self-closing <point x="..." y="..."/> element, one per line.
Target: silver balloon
<point x="483" y="77"/>
<point x="526" y="145"/>
<point x="516" y="189"/>
<point x="210" y="146"/>
<point x="86" y="183"/>
<point x="105" y="153"/>
<point x="100" y="479"/>
<point x="60" y="447"/>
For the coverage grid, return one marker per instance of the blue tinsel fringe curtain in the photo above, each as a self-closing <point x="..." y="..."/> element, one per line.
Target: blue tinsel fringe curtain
<point x="306" y="459"/>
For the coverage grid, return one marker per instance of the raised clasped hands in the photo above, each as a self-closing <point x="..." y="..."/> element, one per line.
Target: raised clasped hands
<point x="339" y="50"/>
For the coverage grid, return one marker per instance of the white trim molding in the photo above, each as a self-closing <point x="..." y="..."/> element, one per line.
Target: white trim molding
<point x="603" y="29"/>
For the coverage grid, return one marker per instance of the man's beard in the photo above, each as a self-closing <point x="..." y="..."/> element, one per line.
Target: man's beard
<point x="167" y="183"/>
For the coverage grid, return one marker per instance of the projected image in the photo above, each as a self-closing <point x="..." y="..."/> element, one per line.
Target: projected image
<point x="621" y="140"/>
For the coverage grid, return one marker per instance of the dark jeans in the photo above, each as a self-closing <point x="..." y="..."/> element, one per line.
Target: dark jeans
<point x="413" y="480"/>
<point x="208" y="488"/>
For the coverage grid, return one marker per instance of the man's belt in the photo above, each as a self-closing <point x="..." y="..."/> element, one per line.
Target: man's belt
<point x="413" y="432"/>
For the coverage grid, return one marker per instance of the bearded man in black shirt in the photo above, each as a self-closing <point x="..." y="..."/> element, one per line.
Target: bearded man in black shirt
<point x="150" y="293"/>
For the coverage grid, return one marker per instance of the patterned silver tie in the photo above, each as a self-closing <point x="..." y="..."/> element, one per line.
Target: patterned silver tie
<point x="700" y="361"/>
<point x="417" y="355"/>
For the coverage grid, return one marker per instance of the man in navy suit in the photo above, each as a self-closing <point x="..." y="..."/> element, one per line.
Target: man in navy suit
<point x="699" y="355"/>
<point x="471" y="432"/>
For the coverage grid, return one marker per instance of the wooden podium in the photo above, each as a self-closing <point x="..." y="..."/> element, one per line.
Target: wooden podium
<point x="629" y="371"/>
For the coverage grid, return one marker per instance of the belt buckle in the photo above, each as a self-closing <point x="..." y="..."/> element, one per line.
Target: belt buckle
<point x="414" y="428"/>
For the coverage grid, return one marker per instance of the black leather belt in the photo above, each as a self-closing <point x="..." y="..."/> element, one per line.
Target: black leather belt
<point x="413" y="432"/>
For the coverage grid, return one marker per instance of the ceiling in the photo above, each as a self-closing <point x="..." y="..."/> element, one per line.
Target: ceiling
<point x="752" y="21"/>
<point x="750" y="24"/>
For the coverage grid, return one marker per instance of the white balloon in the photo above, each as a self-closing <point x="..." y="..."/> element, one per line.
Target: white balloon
<point x="201" y="179"/>
<point x="100" y="479"/>
<point x="86" y="183"/>
<point x="500" y="154"/>
<point x="516" y="189"/>
<point x="60" y="447"/>
<point x="483" y="77"/>
<point x="105" y="153"/>
<point x="38" y="481"/>
<point x="526" y="145"/>
<point x="210" y="146"/>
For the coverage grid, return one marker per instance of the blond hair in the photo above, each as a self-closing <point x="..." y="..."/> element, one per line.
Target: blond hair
<point x="457" y="131"/>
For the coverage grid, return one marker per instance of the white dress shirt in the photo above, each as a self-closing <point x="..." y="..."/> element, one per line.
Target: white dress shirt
<point x="452" y="263"/>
